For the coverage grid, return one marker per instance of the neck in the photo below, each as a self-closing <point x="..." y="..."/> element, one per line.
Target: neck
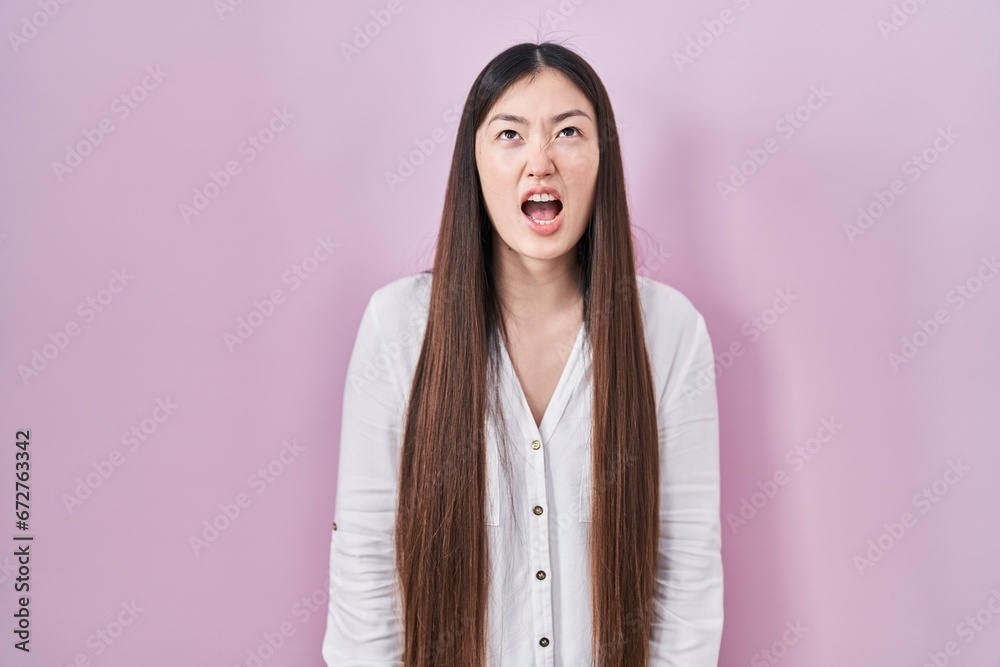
<point x="536" y="290"/>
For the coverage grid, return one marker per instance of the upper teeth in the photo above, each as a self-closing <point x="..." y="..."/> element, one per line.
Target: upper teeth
<point x="542" y="197"/>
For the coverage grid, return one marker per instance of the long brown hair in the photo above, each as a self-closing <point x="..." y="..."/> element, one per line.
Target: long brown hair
<point x="442" y="553"/>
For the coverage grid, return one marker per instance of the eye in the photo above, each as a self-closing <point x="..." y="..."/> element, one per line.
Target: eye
<point x="570" y="128"/>
<point x="504" y="132"/>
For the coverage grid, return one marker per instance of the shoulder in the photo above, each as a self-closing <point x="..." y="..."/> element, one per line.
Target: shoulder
<point x="393" y="324"/>
<point x="401" y="304"/>
<point x="675" y="329"/>
<point x="667" y="311"/>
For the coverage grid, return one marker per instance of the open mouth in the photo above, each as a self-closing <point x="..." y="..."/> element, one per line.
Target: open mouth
<point x="542" y="209"/>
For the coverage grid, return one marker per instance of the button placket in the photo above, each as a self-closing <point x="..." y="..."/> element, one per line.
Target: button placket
<point x="536" y="490"/>
<point x="541" y="591"/>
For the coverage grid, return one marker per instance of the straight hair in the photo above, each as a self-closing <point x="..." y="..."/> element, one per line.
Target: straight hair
<point x="441" y="540"/>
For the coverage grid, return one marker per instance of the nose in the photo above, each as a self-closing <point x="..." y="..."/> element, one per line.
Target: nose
<point x="539" y="164"/>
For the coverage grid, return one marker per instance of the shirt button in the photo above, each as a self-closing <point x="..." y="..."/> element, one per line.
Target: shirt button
<point x="535" y="444"/>
<point x="538" y="509"/>
<point x="335" y="525"/>
<point x="540" y="574"/>
<point x="544" y="641"/>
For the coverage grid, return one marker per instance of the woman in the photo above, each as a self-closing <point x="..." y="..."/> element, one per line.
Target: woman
<point x="532" y="351"/>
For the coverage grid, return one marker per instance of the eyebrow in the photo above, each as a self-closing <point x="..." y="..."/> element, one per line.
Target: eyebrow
<point x="511" y="118"/>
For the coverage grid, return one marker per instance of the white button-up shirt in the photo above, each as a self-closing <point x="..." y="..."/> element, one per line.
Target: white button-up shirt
<point x="536" y="619"/>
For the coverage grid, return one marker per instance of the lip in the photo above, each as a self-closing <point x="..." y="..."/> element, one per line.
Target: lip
<point x="540" y="190"/>
<point x="552" y="227"/>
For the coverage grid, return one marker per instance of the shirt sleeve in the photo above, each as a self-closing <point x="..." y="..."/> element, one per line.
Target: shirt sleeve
<point x="688" y="612"/>
<point x="363" y="621"/>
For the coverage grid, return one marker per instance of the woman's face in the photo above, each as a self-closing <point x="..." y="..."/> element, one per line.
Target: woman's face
<point x="542" y="133"/>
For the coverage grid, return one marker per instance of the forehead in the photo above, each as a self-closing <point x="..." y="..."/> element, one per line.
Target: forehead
<point x="540" y="96"/>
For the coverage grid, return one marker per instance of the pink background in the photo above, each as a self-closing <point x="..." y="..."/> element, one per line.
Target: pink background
<point x="323" y="176"/>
